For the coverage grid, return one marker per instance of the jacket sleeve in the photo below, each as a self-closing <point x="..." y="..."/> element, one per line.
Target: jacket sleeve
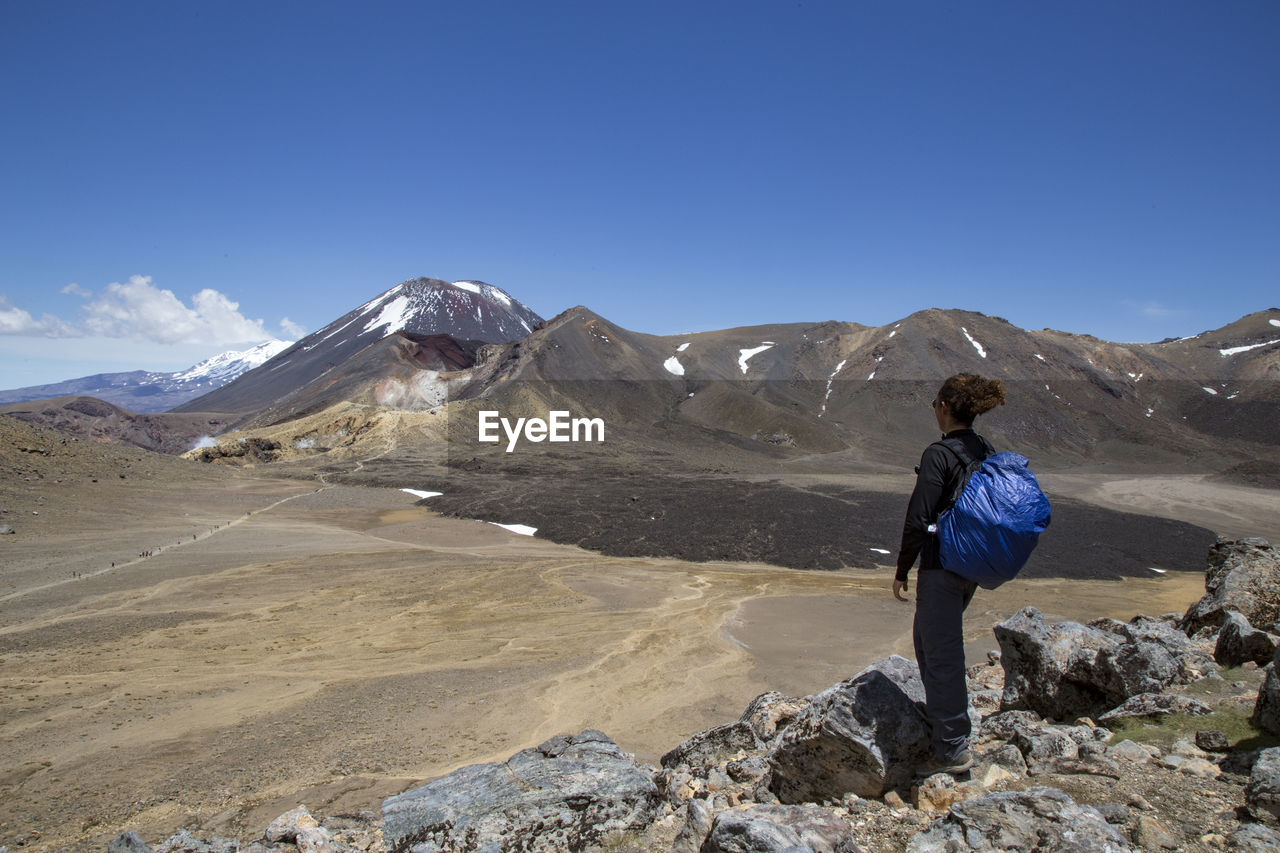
<point x="922" y="510"/>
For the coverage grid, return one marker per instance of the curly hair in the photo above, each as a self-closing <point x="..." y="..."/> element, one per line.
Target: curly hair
<point x="968" y="395"/>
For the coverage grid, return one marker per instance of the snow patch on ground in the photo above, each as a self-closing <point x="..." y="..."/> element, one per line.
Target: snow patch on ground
<point x="744" y="355"/>
<point x="419" y="493"/>
<point x="1039" y="356"/>
<point x="674" y="366"/>
<point x="891" y="334"/>
<point x="1235" y="350"/>
<point x="1211" y="390"/>
<point x="1157" y="571"/>
<point x="1150" y="412"/>
<point x="522" y="529"/>
<point x="982" y="352"/>
<point x="1274" y="322"/>
<point x="469" y="286"/>
<point x="880" y="550"/>
<point x="684" y="346"/>
<point x="871" y="376"/>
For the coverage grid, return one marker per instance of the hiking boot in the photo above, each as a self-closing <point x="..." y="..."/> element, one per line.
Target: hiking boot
<point x="958" y="763"/>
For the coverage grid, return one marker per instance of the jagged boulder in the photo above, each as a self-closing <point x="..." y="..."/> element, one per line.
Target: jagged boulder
<point x="770" y="713"/>
<point x="1050" y="668"/>
<point x="1262" y="794"/>
<point x="1153" y="639"/>
<point x="1065" y="669"/>
<point x="1035" y="819"/>
<point x="1266" y="711"/>
<point x="1154" y="704"/>
<point x="1239" y="642"/>
<point x="712" y="747"/>
<point x="1042" y="748"/>
<point x="1003" y="725"/>
<point x="865" y="736"/>
<point x="288" y="825"/>
<point x="779" y="829"/>
<point x="1254" y="838"/>
<point x="1243" y="575"/>
<point x="184" y="842"/>
<point x="128" y="842"/>
<point x="568" y="793"/>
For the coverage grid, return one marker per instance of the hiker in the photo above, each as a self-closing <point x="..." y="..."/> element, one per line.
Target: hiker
<point x="942" y="596"/>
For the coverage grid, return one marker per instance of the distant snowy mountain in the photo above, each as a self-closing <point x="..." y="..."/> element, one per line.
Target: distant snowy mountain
<point x="146" y="391"/>
<point x="463" y="310"/>
<point x="222" y="368"/>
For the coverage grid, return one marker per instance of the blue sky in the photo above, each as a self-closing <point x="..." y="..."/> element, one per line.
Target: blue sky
<point x="1107" y="168"/>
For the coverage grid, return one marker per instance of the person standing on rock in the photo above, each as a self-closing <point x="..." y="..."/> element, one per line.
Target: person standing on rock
<point x="942" y="596"/>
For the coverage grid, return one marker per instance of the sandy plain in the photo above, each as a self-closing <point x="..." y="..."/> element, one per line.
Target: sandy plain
<point x="305" y="642"/>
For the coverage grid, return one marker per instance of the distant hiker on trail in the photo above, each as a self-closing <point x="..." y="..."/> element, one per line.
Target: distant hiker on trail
<point x="941" y="595"/>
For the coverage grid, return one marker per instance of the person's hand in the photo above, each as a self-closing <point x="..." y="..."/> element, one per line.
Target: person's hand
<point x="899" y="587"/>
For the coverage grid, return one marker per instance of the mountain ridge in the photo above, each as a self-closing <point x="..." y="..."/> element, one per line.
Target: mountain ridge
<point x="152" y="392"/>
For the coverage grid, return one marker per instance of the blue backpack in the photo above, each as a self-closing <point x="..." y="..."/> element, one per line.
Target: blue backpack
<point x="993" y="525"/>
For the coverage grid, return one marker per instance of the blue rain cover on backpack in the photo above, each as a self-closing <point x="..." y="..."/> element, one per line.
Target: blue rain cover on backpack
<point x="993" y="526"/>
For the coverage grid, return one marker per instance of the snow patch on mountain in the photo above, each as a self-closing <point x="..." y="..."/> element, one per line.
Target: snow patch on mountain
<point x="1237" y="350"/>
<point x="830" y="379"/>
<point x="392" y="318"/>
<point x="982" y="352"/>
<point x="744" y="355"/>
<point x="674" y="366"/>
<point x="684" y="346"/>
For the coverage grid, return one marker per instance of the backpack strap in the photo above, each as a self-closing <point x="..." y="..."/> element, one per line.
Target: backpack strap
<point x="968" y="465"/>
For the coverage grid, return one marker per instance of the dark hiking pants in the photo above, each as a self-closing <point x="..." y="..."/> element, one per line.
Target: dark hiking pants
<point x="941" y="598"/>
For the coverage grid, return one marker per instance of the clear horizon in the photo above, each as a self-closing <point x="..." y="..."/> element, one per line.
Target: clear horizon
<point x="185" y="180"/>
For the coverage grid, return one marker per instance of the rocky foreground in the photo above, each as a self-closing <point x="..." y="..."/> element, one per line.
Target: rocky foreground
<point x="1153" y="734"/>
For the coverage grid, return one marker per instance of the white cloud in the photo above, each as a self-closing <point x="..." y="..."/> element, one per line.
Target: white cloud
<point x="292" y="331"/>
<point x="137" y="309"/>
<point x="15" y="321"/>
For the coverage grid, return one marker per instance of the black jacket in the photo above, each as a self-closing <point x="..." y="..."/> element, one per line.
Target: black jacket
<point x="936" y="478"/>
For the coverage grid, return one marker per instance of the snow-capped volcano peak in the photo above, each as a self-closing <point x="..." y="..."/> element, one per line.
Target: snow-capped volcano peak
<point x="463" y="310"/>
